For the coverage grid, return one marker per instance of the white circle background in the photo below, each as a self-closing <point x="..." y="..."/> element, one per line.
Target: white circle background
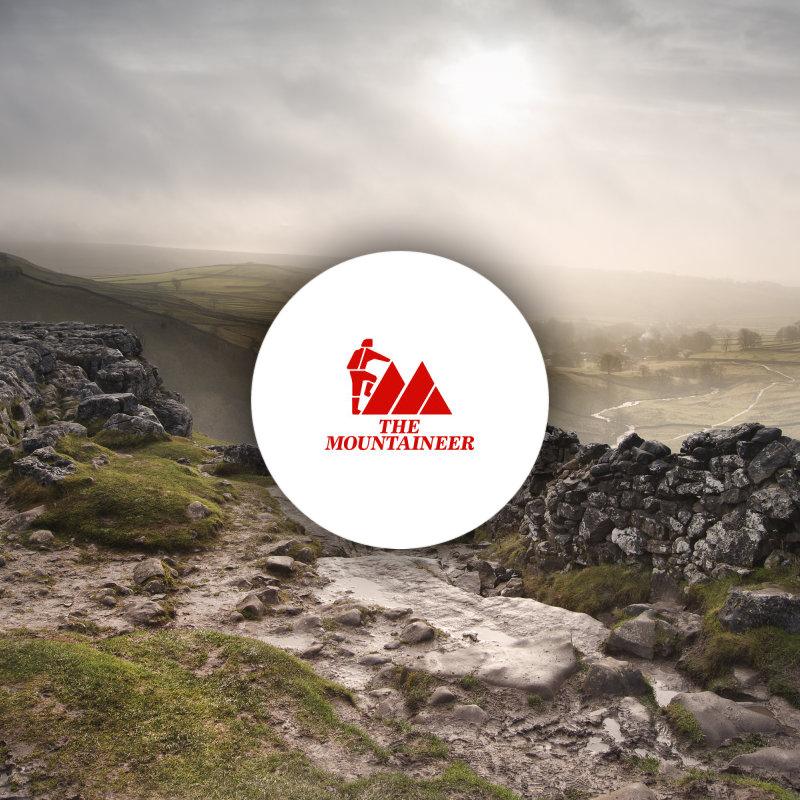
<point x="483" y="358"/>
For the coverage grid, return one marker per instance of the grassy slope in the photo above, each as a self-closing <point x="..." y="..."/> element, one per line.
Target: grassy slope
<point x="137" y="715"/>
<point x="138" y="500"/>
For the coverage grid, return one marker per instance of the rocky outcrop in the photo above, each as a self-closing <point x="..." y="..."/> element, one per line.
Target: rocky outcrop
<point x="243" y="455"/>
<point x="755" y="608"/>
<point x="57" y="379"/>
<point x="724" y="503"/>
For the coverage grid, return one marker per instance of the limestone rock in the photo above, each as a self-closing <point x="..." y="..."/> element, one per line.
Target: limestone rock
<point x="41" y="537"/>
<point x="772" y="763"/>
<point x="144" y="612"/>
<point x="281" y="564"/>
<point x="134" y="425"/>
<point x="147" y="569"/>
<point x="351" y="618"/>
<point x="722" y="719"/>
<point x="251" y="606"/>
<point x="174" y="416"/>
<point x="417" y="632"/>
<point x="471" y="714"/>
<point x="610" y="677"/>
<point x="537" y="665"/>
<point x="469" y="582"/>
<point x="22" y="522"/>
<point x="44" y="466"/>
<point x="197" y="511"/>
<point x="441" y="696"/>
<point x="755" y="608"/>
<point x="646" y="636"/>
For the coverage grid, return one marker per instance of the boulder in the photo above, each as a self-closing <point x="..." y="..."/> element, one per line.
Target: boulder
<point x="722" y="719"/>
<point x="251" y="606"/>
<point x="646" y="636"/>
<point x="756" y="608"/>
<point x="174" y="416"/>
<point x="106" y="405"/>
<point x="537" y="665"/>
<point x="441" y="696"/>
<point x="612" y="678"/>
<point x="417" y="632"/>
<point x="44" y="466"/>
<point x="471" y="714"/>
<point x="147" y="569"/>
<point x="768" y="461"/>
<point x="41" y="537"/>
<point x="134" y="425"/>
<point x="144" y="612"/>
<point x="197" y="511"/>
<point x="22" y="522"/>
<point x="469" y="582"/>
<point x="49" y="435"/>
<point x="351" y="618"/>
<point x="772" y="763"/>
<point x="281" y="564"/>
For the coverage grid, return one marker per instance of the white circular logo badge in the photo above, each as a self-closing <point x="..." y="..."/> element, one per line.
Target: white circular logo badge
<point x="399" y="399"/>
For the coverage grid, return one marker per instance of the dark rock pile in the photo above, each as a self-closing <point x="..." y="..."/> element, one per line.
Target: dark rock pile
<point x="728" y="501"/>
<point x="57" y="379"/>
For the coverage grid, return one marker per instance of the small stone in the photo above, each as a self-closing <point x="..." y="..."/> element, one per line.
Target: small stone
<point x="21" y="522"/>
<point x="314" y="650"/>
<point x="305" y="555"/>
<point x="282" y="564"/>
<point x="441" y="696"/>
<point x="197" y="511"/>
<point x="147" y="569"/>
<point x="109" y="601"/>
<point x="236" y="617"/>
<point x="393" y="645"/>
<point x="373" y="660"/>
<point x="351" y="617"/>
<point x="144" y="613"/>
<point x="471" y="714"/>
<point x="251" y="606"/>
<point x="41" y="537"/>
<point x="155" y="586"/>
<point x="417" y="632"/>
<point x="396" y="613"/>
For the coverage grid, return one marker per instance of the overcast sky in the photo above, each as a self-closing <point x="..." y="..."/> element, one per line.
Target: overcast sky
<point x="570" y="133"/>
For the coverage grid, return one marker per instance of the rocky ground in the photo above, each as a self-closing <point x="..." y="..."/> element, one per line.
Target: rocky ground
<point x="173" y="627"/>
<point x="521" y="691"/>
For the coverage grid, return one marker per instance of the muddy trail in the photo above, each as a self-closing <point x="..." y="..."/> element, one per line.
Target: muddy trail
<point x="504" y="679"/>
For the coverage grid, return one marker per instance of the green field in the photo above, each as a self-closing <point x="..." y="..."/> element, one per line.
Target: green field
<point x="235" y="302"/>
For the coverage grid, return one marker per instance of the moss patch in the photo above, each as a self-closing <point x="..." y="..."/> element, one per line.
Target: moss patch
<point x="684" y="723"/>
<point x="592" y="590"/>
<point x="133" y="501"/>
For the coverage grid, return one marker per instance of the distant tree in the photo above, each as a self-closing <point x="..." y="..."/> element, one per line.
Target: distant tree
<point x="610" y="362"/>
<point x="748" y="339"/>
<point x="788" y="333"/>
<point x="699" y="341"/>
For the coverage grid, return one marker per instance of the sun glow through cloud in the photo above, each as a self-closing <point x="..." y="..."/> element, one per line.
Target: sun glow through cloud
<point x="489" y="91"/>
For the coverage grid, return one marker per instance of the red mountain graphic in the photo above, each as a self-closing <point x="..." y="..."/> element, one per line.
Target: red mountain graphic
<point x="419" y="396"/>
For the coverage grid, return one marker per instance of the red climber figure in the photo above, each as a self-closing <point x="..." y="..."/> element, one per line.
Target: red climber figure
<point x="358" y="373"/>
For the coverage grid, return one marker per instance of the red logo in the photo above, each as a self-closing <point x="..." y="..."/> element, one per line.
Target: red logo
<point x="392" y="395"/>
